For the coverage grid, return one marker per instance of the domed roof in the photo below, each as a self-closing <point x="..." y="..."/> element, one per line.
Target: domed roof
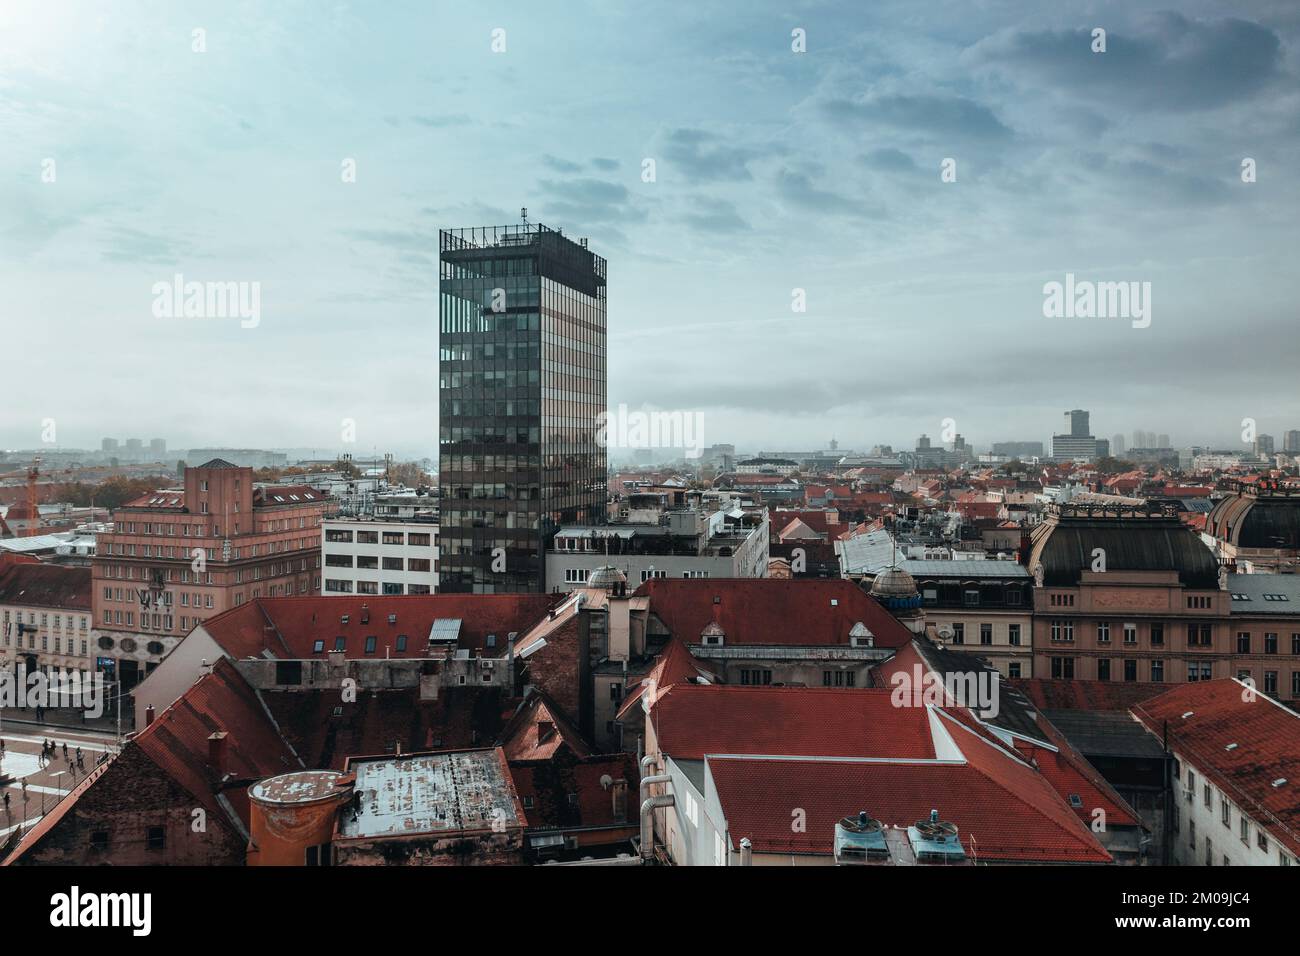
<point x="1264" y="517"/>
<point x="894" y="583"/>
<point x="606" y="577"/>
<point x="1137" y="539"/>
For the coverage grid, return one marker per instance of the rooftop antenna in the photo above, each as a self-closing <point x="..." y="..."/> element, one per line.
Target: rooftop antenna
<point x="523" y="214"/>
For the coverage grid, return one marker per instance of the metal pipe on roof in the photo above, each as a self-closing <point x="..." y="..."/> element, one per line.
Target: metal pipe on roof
<point x="648" y="808"/>
<point x="746" y="852"/>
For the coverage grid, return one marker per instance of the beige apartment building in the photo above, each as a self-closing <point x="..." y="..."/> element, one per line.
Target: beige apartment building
<point x="177" y="557"/>
<point x="1127" y="593"/>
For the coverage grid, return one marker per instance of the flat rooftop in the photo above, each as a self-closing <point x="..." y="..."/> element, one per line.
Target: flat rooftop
<point x="449" y="792"/>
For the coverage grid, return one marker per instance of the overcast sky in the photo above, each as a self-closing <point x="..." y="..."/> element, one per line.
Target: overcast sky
<point x="774" y="171"/>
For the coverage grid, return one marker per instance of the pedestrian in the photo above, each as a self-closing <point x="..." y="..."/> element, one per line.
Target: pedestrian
<point x="6" y="803"/>
<point x="65" y="750"/>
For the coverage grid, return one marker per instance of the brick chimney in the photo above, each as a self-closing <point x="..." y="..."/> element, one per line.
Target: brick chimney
<point x="217" y="752"/>
<point x="148" y="715"/>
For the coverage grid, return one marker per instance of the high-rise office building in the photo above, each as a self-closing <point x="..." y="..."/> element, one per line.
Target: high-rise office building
<point x="1077" y="443"/>
<point x="1118" y="445"/>
<point x="522" y="386"/>
<point x="1076" y="424"/>
<point x="1291" y="442"/>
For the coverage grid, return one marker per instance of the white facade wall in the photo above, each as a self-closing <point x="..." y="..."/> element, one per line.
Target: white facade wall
<point x="375" y="557"/>
<point x="1202" y="837"/>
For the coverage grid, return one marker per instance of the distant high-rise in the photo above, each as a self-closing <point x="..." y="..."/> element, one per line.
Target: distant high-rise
<point x="1163" y="441"/>
<point x="1077" y="443"/>
<point x="109" y="445"/>
<point x="1076" y="424"/>
<point x="1263" y="445"/>
<point x="158" y="448"/>
<point x="522" y="386"/>
<point x="1117" y="445"/>
<point x="1291" y="442"/>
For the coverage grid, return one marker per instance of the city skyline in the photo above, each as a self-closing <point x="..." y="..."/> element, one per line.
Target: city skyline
<point x="843" y="144"/>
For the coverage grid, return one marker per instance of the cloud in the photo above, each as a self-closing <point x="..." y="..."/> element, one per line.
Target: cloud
<point x="714" y="215"/>
<point x="936" y="116"/>
<point x="707" y="157"/>
<point x="1169" y="62"/>
<point x="797" y="189"/>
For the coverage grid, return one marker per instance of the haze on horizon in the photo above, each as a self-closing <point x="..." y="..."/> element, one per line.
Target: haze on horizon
<point x="775" y="171"/>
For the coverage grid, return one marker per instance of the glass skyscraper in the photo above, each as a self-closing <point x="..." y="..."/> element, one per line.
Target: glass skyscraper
<point x="522" y="384"/>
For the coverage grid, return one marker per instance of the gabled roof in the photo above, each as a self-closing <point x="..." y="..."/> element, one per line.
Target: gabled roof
<point x="771" y="611"/>
<point x="1004" y="809"/>
<point x="539" y="730"/>
<point x="221" y="701"/>
<point x="674" y="665"/>
<point x="1244" y="742"/>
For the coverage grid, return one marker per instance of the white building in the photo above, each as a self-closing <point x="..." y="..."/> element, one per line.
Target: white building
<point x="379" y="556"/>
<point x="1231" y="805"/>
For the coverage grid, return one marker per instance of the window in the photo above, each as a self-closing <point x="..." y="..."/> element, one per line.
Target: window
<point x="1157" y="672"/>
<point x="1206" y="796"/>
<point x="1130" y="633"/>
<point x="986" y="633"/>
<point x="1199" y="602"/>
<point x="1103" y="632"/>
<point x="959" y="633"/>
<point x="1013" y="636"/>
<point x="1130" y="670"/>
<point x="1270" y="683"/>
<point x="401" y="642"/>
<point x="99" y="840"/>
<point x="157" y="838"/>
<point x="1103" y="668"/>
<point x="1245" y="830"/>
<point x="340" y="643"/>
<point x="1013" y="669"/>
<point x="1157" y="635"/>
<point x="288" y="673"/>
<point x="318" y="646"/>
<point x="1225" y="811"/>
<point x="1243" y="642"/>
<point x="370" y="644"/>
<point x="970" y="597"/>
<point x="1062" y="631"/>
<point x="1270" y="643"/>
<point x="1062" y="668"/>
<point x="757" y="677"/>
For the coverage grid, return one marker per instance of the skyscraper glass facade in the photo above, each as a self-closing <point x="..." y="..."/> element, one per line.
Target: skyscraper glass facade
<point x="522" y="383"/>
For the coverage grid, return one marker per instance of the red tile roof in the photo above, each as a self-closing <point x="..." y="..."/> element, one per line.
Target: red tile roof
<point x="539" y="730"/>
<point x="35" y="584"/>
<point x="1204" y="718"/>
<point x="691" y="720"/>
<point x="177" y="740"/>
<point x="1085" y="694"/>
<point x="767" y="611"/>
<point x="289" y="627"/>
<point x="1004" y="810"/>
<point x="674" y="665"/>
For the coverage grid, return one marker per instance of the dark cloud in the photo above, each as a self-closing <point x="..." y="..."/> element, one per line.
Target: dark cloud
<point x="936" y="116"/>
<point x="890" y="160"/>
<point x="707" y="157"/>
<point x="584" y="201"/>
<point x="797" y="189"/>
<point x="443" y="121"/>
<point x="561" y="165"/>
<point x="1169" y="62"/>
<point x="715" y="215"/>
